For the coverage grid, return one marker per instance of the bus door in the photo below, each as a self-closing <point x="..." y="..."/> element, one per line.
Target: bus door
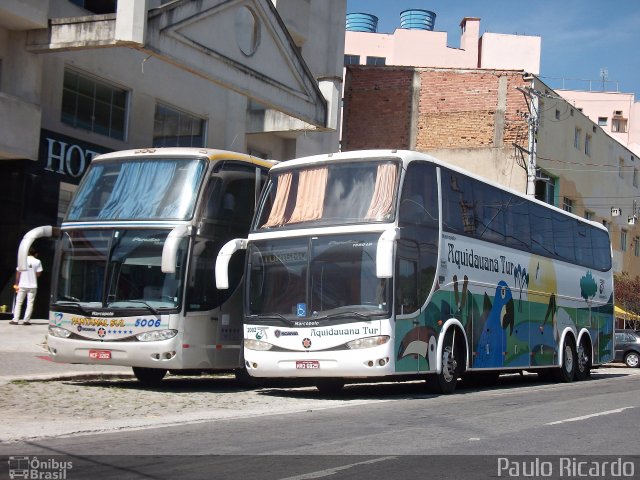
<point x="417" y="259"/>
<point x="411" y="347"/>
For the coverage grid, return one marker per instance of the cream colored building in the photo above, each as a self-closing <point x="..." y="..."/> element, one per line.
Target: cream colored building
<point x="82" y="77"/>
<point x="590" y="169"/>
<point x="617" y="113"/>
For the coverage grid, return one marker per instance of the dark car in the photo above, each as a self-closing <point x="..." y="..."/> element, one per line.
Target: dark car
<point x="628" y="347"/>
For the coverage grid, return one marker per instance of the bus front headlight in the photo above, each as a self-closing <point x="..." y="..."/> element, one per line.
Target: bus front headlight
<point x="59" y="332"/>
<point x="368" y="342"/>
<point x="257" y="345"/>
<point x="156" y="335"/>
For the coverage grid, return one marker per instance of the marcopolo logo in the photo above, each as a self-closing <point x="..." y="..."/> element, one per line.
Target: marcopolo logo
<point x="38" y="468"/>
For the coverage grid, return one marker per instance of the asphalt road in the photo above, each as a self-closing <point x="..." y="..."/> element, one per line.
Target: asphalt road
<point x="377" y="432"/>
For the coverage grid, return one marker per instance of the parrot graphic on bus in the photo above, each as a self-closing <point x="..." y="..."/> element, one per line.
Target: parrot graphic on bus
<point x="496" y="317"/>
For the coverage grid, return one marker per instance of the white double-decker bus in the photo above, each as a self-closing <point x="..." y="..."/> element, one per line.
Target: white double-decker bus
<point x="385" y="264"/>
<point x="133" y="279"/>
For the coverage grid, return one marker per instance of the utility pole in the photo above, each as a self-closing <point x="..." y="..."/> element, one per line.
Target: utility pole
<point x="533" y="119"/>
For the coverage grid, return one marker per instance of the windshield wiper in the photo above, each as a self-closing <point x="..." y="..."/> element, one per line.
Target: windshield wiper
<point x="151" y="309"/>
<point x="69" y="297"/>
<point x="271" y="316"/>
<point x="343" y="315"/>
<point x="74" y="304"/>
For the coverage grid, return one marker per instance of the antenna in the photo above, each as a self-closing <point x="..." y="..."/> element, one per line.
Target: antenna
<point x="604" y="75"/>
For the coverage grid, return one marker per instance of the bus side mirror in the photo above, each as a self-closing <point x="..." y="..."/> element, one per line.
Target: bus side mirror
<point x="384" y="253"/>
<point x="170" y="248"/>
<point x="27" y="241"/>
<point x="222" y="262"/>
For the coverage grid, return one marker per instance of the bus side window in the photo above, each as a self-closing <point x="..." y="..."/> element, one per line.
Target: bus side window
<point x="601" y="249"/>
<point x="202" y="293"/>
<point x="541" y="231"/>
<point x="419" y="202"/>
<point x="418" y="220"/>
<point x="458" y="203"/>
<point x="517" y="228"/>
<point x="406" y="288"/>
<point x="490" y="204"/>
<point x="563" y="237"/>
<point x="584" y="252"/>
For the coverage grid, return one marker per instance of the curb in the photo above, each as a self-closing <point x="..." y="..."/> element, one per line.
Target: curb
<point x="51" y="377"/>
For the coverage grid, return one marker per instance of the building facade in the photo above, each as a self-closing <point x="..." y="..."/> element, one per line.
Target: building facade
<point x="427" y="47"/>
<point x="83" y="77"/>
<point x="507" y="126"/>
<point x="617" y="113"/>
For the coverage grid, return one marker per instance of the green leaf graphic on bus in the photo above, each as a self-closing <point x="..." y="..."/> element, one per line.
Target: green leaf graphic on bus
<point x="521" y="278"/>
<point x="588" y="287"/>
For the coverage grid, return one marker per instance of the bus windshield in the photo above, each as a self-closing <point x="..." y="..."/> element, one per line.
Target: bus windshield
<point x="318" y="277"/>
<point x="117" y="269"/>
<point x="138" y="189"/>
<point x="330" y="194"/>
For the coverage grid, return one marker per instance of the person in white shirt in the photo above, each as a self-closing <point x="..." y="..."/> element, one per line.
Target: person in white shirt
<point x="27" y="286"/>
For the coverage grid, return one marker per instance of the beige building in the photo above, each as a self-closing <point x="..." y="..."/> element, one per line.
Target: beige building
<point x="590" y="169"/>
<point x="82" y="77"/>
<point x="617" y="113"/>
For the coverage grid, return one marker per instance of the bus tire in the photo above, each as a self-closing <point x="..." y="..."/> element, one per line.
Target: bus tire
<point x="583" y="361"/>
<point x="330" y="386"/>
<point x="446" y="380"/>
<point x="149" y="376"/>
<point x="567" y="370"/>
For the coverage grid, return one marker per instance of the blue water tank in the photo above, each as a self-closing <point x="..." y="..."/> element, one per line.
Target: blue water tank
<point x="417" y="19"/>
<point x="362" y="22"/>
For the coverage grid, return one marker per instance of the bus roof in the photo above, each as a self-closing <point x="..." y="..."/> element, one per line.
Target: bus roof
<point x="408" y="156"/>
<point x="210" y="153"/>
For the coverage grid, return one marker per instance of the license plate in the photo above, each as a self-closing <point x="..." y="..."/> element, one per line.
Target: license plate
<point x="307" y="364"/>
<point x="100" y="354"/>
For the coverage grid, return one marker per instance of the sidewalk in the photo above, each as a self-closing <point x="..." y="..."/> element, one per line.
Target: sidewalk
<point x="24" y="356"/>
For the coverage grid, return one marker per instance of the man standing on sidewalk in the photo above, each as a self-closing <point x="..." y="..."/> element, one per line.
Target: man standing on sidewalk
<point x="27" y="286"/>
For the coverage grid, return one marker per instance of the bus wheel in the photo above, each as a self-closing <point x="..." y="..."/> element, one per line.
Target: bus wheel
<point x="583" y="364"/>
<point x="446" y="380"/>
<point x="567" y="370"/>
<point x="330" y="386"/>
<point x="149" y="376"/>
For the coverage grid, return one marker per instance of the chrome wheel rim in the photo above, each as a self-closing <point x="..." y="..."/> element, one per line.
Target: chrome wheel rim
<point x="448" y="364"/>
<point x="583" y="359"/>
<point x="568" y="359"/>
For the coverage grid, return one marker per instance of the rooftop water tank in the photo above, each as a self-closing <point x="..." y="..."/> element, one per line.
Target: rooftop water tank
<point x="417" y="19"/>
<point x="362" y="22"/>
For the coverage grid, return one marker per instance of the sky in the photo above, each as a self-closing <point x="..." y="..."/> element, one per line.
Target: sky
<point x="579" y="37"/>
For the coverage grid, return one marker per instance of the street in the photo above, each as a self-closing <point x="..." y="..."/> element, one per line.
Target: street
<point x="374" y="430"/>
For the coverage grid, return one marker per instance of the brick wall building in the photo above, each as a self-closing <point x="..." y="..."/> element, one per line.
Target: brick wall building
<point x="469" y="117"/>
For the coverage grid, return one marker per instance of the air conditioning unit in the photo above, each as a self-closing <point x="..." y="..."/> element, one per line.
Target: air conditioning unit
<point x="615" y="211"/>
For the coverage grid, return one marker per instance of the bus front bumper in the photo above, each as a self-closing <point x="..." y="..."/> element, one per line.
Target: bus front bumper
<point x="164" y="354"/>
<point x="370" y="362"/>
